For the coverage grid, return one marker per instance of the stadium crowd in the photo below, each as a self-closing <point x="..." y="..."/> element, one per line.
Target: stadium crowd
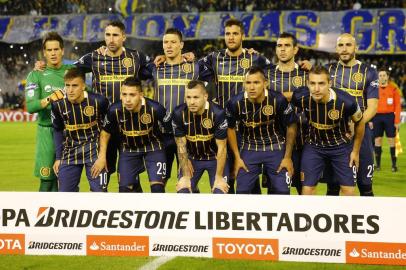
<point x="46" y="7"/>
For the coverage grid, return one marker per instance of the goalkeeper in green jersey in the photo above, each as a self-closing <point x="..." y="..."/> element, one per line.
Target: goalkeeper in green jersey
<point x="42" y="88"/>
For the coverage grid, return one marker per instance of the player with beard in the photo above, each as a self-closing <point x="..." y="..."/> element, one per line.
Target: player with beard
<point x="361" y="82"/>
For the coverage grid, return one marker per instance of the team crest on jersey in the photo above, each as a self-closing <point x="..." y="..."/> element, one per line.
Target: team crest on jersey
<point x="267" y="110"/>
<point x="187" y="68"/>
<point x="297" y="81"/>
<point x="245" y="63"/>
<point x="146" y="118"/>
<point x="333" y="114"/>
<point x="127" y="62"/>
<point x="207" y="123"/>
<point x="45" y="171"/>
<point x="89" y="111"/>
<point x="357" y="77"/>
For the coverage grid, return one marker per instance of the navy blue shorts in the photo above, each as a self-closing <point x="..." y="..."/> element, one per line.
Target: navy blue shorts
<point x="315" y="159"/>
<point x="132" y="164"/>
<point x="69" y="178"/>
<point x="366" y="163"/>
<point x="112" y="151"/>
<point x="384" y="122"/>
<point x="268" y="162"/>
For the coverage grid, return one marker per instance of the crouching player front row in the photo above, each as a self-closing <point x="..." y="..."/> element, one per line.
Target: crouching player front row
<point x="200" y="130"/>
<point x="329" y="111"/>
<point x="139" y="122"/>
<point x="77" y="120"/>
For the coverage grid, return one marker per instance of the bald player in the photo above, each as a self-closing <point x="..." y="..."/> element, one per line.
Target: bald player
<point x="361" y="82"/>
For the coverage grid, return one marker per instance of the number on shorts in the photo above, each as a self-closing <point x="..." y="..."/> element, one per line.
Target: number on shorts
<point x="288" y="180"/>
<point x="354" y="171"/>
<point x="103" y="179"/>
<point x="370" y="170"/>
<point x="161" y="168"/>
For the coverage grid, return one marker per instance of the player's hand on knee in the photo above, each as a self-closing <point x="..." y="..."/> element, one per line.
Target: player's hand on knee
<point x="189" y="56"/>
<point x="184" y="182"/>
<point x="98" y="166"/>
<point x="57" y="163"/>
<point x="220" y="184"/>
<point x="39" y="66"/>
<point x="239" y="164"/>
<point x="305" y="64"/>
<point x="354" y="160"/>
<point x="287" y="164"/>
<point x="159" y="60"/>
<point x="56" y="95"/>
<point x="102" y="50"/>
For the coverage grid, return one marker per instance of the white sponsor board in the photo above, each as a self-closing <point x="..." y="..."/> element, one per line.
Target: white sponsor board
<point x="233" y="226"/>
<point x="176" y="246"/>
<point x="61" y="244"/>
<point x="312" y="251"/>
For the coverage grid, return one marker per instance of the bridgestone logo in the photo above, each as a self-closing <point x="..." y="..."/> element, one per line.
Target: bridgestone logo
<point x="312" y="251"/>
<point x="55" y="245"/>
<point x="181" y="248"/>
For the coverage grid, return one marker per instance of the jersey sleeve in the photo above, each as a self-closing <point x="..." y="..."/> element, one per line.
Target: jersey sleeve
<point x="33" y="93"/>
<point x="146" y="67"/>
<point x="85" y="63"/>
<point x="110" y="124"/>
<point x="58" y="125"/>
<point x="206" y="71"/>
<point x="220" y="125"/>
<point x="177" y="124"/>
<point x="354" y="111"/>
<point x="164" y="119"/>
<point x="231" y="114"/>
<point x="286" y="112"/>
<point x="264" y="63"/>
<point x="372" y="84"/>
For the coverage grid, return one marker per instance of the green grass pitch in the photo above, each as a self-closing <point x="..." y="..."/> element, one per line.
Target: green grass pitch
<point x="17" y="144"/>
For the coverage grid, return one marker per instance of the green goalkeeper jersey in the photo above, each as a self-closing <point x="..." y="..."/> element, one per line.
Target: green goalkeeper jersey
<point x="41" y="84"/>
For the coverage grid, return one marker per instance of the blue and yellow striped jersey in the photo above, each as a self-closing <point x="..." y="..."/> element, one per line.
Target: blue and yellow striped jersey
<point x="288" y="82"/>
<point x="171" y="81"/>
<point x="328" y="122"/>
<point x="228" y="71"/>
<point x="138" y="131"/>
<point x="109" y="72"/>
<point x="80" y="124"/>
<point x="201" y="131"/>
<point x="360" y="81"/>
<point x="262" y="125"/>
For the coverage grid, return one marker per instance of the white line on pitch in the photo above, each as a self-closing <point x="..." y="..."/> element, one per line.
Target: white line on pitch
<point x="156" y="263"/>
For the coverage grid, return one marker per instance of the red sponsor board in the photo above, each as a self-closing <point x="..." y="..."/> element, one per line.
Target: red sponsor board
<point x="246" y="248"/>
<point x="17" y="116"/>
<point x="12" y="244"/>
<point x="112" y="245"/>
<point x="376" y="253"/>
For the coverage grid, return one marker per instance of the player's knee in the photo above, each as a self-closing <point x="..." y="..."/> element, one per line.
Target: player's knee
<point x="218" y="191"/>
<point x="347" y="190"/>
<point x="184" y="190"/>
<point x="157" y="187"/>
<point x="126" y="189"/>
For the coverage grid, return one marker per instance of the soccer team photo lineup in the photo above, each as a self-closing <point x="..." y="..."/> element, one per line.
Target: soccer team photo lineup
<point x="235" y="104"/>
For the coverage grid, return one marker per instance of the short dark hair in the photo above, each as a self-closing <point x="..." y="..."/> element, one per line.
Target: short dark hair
<point x="289" y="35"/>
<point x="118" y="24"/>
<point x="319" y="70"/>
<point x="232" y="21"/>
<point x="133" y="82"/>
<point x="74" y="73"/>
<point x="196" y="83"/>
<point x="383" y="69"/>
<point x="52" y="36"/>
<point x="254" y="70"/>
<point x="174" y="31"/>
